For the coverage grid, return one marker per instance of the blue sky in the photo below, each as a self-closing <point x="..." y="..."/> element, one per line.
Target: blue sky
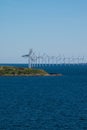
<point x="50" y="26"/>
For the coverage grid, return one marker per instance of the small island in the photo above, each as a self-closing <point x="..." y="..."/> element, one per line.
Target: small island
<point x="19" y="71"/>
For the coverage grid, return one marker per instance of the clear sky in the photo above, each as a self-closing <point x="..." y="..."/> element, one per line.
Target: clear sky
<point x="48" y="26"/>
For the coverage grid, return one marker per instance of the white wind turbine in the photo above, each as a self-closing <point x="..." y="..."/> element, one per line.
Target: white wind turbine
<point x="29" y="56"/>
<point x="64" y="59"/>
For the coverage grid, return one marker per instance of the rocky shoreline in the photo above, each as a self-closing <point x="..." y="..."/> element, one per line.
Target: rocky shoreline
<point x="19" y="71"/>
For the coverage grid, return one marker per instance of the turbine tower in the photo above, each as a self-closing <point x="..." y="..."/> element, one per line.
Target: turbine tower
<point x="29" y="56"/>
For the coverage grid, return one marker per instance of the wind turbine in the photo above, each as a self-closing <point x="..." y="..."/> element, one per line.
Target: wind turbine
<point x="59" y="59"/>
<point x="29" y="55"/>
<point x="64" y="59"/>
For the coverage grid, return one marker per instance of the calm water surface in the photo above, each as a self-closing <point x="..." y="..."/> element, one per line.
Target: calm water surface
<point x="45" y="103"/>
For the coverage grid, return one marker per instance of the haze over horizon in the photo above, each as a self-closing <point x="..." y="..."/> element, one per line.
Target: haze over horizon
<point x="49" y="26"/>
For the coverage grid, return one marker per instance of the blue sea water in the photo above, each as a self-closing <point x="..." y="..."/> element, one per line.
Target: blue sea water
<point x="45" y="103"/>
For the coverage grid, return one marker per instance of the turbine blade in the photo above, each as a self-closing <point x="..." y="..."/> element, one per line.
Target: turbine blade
<point x="30" y="52"/>
<point x="25" y="55"/>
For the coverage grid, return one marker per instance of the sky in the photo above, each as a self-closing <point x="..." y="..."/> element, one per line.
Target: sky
<point x="48" y="26"/>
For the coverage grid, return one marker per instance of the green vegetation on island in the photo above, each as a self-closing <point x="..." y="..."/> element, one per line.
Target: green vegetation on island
<point x="19" y="71"/>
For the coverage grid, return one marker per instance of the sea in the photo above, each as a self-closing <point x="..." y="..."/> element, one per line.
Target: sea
<point x="45" y="102"/>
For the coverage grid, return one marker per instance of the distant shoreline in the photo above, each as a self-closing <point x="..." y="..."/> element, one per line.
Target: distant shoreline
<point x="19" y="71"/>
